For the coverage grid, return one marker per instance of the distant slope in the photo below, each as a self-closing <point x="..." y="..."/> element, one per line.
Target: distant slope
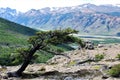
<point x="12" y="33"/>
<point x="16" y="28"/>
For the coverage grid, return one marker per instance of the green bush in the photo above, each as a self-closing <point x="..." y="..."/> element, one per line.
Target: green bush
<point x="4" y="59"/>
<point x="115" y="71"/>
<point x="118" y="56"/>
<point x="10" y="59"/>
<point x="99" y="57"/>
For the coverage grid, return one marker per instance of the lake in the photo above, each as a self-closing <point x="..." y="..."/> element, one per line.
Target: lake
<point x="100" y="39"/>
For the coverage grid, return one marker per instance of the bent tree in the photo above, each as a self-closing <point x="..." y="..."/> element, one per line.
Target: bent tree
<point x="41" y="41"/>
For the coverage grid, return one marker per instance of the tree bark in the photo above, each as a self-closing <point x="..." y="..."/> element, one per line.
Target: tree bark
<point x="19" y="72"/>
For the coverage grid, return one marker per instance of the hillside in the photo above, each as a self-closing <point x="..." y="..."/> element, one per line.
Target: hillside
<point x="12" y="33"/>
<point x="14" y="36"/>
<point x="87" y="18"/>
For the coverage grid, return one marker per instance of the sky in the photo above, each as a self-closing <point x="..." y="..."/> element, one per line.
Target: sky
<point x="25" y="5"/>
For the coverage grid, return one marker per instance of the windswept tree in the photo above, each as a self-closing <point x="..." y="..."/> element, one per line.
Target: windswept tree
<point x="42" y="41"/>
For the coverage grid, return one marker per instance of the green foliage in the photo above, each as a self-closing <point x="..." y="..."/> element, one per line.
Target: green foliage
<point x="23" y="52"/>
<point x="118" y="56"/>
<point x="12" y="36"/>
<point x="99" y="57"/>
<point x="4" y="59"/>
<point x="10" y="59"/>
<point x="41" y="57"/>
<point x="16" y="59"/>
<point x="59" y="50"/>
<point x="115" y="71"/>
<point x="71" y="63"/>
<point x="53" y="37"/>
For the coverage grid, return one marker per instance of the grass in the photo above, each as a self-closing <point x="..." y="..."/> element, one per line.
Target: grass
<point x="118" y="56"/>
<point x="97" y="67"/>
<point x="14" y="34"/>
<point x="115" y="71"/>
<point x="99" y="57"/>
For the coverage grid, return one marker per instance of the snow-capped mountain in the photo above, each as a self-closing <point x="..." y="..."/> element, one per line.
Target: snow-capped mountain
<point x="9" y="13"/>
<point x="87" y="18"/>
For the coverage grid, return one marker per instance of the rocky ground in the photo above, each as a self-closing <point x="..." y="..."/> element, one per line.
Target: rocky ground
<point x="69" y="68"/>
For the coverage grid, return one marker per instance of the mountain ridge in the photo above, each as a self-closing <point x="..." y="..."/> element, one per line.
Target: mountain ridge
<point x="87" y="18"/>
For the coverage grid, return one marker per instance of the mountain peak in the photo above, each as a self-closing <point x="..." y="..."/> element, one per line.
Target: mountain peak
<point x="87" y="18"/>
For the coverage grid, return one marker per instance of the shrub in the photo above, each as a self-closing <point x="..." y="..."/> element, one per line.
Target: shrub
<point x="4" y="59"/>
<point x="71" y="63"/>
<point x="115" y="71"/>
<point x="118" y="56"/>
<point x="99" y="57"/>
<point x="10" y="59"/>
<point x="16" y="59"/>
<point x="105" y="49"/>
<point x="60" y="50"/>
<point x="96" y="67"/>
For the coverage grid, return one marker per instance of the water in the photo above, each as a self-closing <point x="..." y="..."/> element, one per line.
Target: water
<point x="101" y="39"/>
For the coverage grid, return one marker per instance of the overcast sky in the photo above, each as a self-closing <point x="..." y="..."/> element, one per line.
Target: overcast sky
<point x="24" y="5"/>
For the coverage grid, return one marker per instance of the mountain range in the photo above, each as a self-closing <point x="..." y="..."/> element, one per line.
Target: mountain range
<point x="87" y="18"/>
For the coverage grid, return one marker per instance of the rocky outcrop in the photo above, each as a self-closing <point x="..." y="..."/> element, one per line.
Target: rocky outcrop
<point x="63" y="68"/>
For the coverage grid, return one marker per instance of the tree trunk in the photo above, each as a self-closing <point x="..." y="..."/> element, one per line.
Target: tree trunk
<point x="19" y="72"/>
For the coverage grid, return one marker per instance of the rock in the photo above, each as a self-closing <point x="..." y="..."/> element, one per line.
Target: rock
<point x="5" y="77"/>
<point x="89" y="45"/>
<point x="57" y="59"/>
<point x="68" y="78"/>
<point x="0" y="77"/>
<point x="3" y="68"/>
<point x="105" y="77"/>
<point x="42" y="69"/>
<point x="51" y="73"/>
<point x="100" y="45"/>
<point x="30" y="70"/>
